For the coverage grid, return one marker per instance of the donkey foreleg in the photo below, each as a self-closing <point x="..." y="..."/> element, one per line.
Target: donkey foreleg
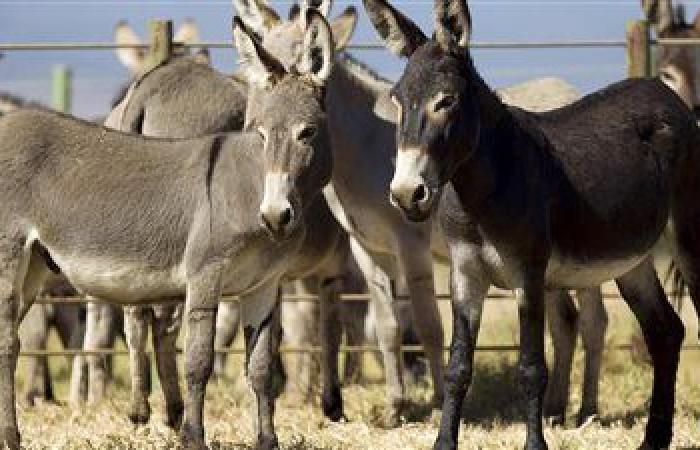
<point x="388" y="332"/>
<point x="136" y="320"/>
<point x="663" y="333"/>
<point x="167" y="320"/>
<point x="99" y="331"/>
<point x="227" y="322"/>
<point x="33" y="334"/>
<point x="203" y="294"/>
<point x="263" y="332"/>
<point x="593" y="322"/>
<point x="417" y="267"/>
<point x="468" y="293"/>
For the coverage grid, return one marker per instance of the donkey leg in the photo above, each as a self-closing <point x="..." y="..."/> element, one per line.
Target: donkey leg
<point x="562" y="317"/>
<point x="593" y="321"/>
<point x="97" y="337"/>
<point x="33" y="334"/>
<point x="417" y="267"/>
<point x="663" y="333"/>
<point x="532" y="367"/>
<point x="203" y="294"/>
<point x="227" y="322"/>
<point x="136" y="319"/>
<point x="352" y="318"/>
<point x="388" y="332"/>
<point x="263" y="332"/>
<point x="299" y="322"/>
<point x="166" y="327"/>
<point x="331" y="334"/>
<point x="468" y="293"/>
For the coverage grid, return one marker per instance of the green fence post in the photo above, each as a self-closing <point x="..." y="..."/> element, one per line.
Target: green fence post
<point x="61" y="88"/>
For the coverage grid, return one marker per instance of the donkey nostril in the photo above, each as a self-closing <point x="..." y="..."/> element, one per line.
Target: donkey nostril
<point x="420" y="194"/>
<point x="286" y="217"/>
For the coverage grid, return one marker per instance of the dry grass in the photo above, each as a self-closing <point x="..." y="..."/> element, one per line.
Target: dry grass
<point x="492" y="407"/>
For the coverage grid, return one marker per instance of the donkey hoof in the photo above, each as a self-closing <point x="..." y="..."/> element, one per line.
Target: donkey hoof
<point x="647" y="446"/>
<point x="267" y="443"/>
<point x="140" y="413"/>
<point x="444" y="444"/>
<point x="392" y="418"/>
<point x="175" y="413"/>
<point x="555" y="420"/>
<point x="332" y="404"/>
<point x="9" y="438"/>
<point x="190" y="439"/>
<point x="536" y="443"/>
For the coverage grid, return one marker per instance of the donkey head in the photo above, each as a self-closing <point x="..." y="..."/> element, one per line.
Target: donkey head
<point x="287" y="109"/>
<point x="284" y="39"/>
<point x="437" y="101"/>
<point x="678" y="66"/>
<point x="135" y="59"/>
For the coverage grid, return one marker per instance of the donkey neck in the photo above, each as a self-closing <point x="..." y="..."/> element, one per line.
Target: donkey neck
<point x="356" y="85"/>
<point x="506" y="168"/>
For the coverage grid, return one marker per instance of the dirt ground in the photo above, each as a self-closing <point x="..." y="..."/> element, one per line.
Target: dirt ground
<point x="492" y="410"/>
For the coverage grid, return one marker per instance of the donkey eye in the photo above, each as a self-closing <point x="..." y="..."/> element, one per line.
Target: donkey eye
<point x="446" y="102"/>
<point x="306" y="133"/>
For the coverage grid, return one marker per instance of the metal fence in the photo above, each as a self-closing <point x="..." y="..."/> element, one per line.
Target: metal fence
<point x="638" y="43"/>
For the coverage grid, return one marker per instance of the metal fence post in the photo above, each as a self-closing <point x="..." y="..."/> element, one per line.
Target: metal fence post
<point x="61" y="90"/>
<point x="638" y="49"/>
<point x="161" y="36"/>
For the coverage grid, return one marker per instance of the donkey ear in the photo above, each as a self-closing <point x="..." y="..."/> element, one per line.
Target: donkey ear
<point x="399" y="33"/>
<point x="322" y="6"/>
<point x="133" y="59"/>
<point x="294" y="12"/>
<point x="188" y="32"/>
<point x="453" y="23"/>
<point x="256" y="14"/>
<point x="659" y="13"/>
<point x="317" y="48"/>
<point x="258" y="67"/>
<point x="343" y="27"/>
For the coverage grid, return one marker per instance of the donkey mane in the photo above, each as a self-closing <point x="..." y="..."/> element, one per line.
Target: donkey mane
<point x="363" y="74"/>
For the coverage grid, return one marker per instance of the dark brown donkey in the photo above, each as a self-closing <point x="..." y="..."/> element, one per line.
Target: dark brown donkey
<point x="565" y="199"/>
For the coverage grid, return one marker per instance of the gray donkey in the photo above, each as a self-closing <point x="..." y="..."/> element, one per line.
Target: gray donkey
<point x="169" y="217"/>
<point x="385" y="246"/>
<point x="569" y="198"/>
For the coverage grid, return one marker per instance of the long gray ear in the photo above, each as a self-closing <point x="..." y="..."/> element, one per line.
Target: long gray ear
<point x="133" y="59"/>
<point x="453" y="23"/>
<point x="323" y="6"/>
<point x="256" y="15"/>
<point x="343" y="27"/>
<point x="258" y="67"/>
<point x="659" y="13"/>
<point x="399" y="33"/>
<point x="317" y="48"/>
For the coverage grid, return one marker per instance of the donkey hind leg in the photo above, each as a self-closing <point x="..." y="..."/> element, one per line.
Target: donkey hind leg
<point x="136" y="320"/>
<point x="562" y="317"/>
<point x="663" y="333"/>
<point x="593" y="322"/>
<point x="22" y="270"/>
<point x="263" y="332"/>
<point x="98" y="336"/>
<point x="299" y="321"/>
<point x="417" y="268"/>
<point x="468" y="295"/>
<point x="331" y="335"/>
<point x="167" y="320"/>
<point x="203" y="294"/>
<point x="227" y="322"/>
<point x="387" y="328"/>
<point x="33" y="333"/>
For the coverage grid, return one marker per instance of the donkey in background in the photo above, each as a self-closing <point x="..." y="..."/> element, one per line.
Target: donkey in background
<point x="169" y="217"/>
<point x="360" y="113"/>
<point x="563" y="199"/>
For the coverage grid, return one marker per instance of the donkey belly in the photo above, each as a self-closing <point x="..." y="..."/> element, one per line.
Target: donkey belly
<point x="121" y="281"/>
<point x="573" y="274"/>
